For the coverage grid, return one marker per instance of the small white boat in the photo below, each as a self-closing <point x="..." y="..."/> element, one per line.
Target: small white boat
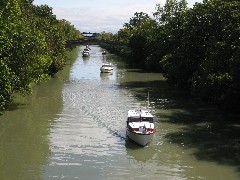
<point x="106" y="68"/>
<point x="86" y="52"/>
<point x="104" y="53"/>
<point x="140" y="126"/>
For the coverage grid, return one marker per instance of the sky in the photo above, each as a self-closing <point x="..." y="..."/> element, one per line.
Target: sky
<point x="101" y="15"/>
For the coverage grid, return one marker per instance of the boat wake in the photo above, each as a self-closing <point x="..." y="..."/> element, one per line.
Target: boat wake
<point x="102" y="103"/>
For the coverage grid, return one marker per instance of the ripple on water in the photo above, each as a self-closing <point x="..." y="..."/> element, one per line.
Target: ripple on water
<point x="91" y="122"/>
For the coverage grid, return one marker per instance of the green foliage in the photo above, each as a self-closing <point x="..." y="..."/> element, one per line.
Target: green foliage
<point x="138" y="49"/>
<point x="203" y="45"/>
<point x="136" y="20"/>
<point x="32" y="46"/>
<point x="107" y="36"/>
<point x="123" y="36"/>
<point x="216" y="73"/>
<point x="197" y="48"/>
<point x="5" y="85"/>
<point x="170" y="10"/>
<point x="140" y="32"/>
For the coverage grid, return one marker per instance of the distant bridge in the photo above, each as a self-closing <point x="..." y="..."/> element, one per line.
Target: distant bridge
<point x="83" y="41"/>
<point x="91" y="41"/>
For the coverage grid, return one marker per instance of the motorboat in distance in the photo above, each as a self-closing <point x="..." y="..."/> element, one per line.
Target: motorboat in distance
<point x="86" y="52"/>
<point x="106" y="68"/>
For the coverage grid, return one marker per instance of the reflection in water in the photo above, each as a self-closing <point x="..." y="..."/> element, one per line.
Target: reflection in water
<point x="138" y="153"/>
<point x="90" y="134"/>
<point x="74" y="127"/>
<point x="24" y="129"/>
<point x="86" y="59"/>
<point x="105" y="76"/>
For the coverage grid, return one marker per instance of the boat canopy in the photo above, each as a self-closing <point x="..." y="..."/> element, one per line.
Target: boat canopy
<point x="139" y="115"/>
<point x="107" y="65"/>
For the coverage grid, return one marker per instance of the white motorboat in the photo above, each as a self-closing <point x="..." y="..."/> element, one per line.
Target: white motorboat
<point x="140" y="126"/>
<point x="86" y="52"/>
<point x="104" y="53"/>
<point x="106" y="68"/>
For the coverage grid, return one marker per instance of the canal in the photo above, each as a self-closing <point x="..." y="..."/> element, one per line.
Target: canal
<point x="73" y="127"/>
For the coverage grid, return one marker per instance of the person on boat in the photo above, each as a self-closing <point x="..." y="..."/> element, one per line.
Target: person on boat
<point x="144" y="129"/>
<point x="87" y="46"/>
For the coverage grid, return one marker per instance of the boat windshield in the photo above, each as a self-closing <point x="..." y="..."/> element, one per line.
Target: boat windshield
<point x="149" y="119"/>
<point x="137" y="119"/>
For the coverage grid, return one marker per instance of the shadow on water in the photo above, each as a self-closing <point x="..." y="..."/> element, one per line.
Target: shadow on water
<point x="213" y="135"/>
<point x="25" y="128"/>
<point x="16" y="105"/>
<point x="137" y="70"/>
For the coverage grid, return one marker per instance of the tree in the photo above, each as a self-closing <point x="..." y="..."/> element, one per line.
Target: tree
<point x="138" y="30"/>
<point x="171" y="9"/>
<point x="136" y="20"/>
<point x="32" y="46"/>
<point x="5" y="85"/>
<point x="217" y="73"/>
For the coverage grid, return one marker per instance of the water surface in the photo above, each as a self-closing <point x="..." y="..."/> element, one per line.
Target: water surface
<point x="73" y="127"/>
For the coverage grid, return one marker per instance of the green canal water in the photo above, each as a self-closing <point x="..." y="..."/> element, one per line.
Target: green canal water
<point x="73" y="127"/>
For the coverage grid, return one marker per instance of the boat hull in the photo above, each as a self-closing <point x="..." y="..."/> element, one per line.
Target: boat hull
<point x="140" y="138"/>
<point x="106" y="70"/>
<point x="85" y="54"/>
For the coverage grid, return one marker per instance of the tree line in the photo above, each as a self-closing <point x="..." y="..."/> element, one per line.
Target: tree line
<point x="195" y="48"/>
<point x="32" y="46"/>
